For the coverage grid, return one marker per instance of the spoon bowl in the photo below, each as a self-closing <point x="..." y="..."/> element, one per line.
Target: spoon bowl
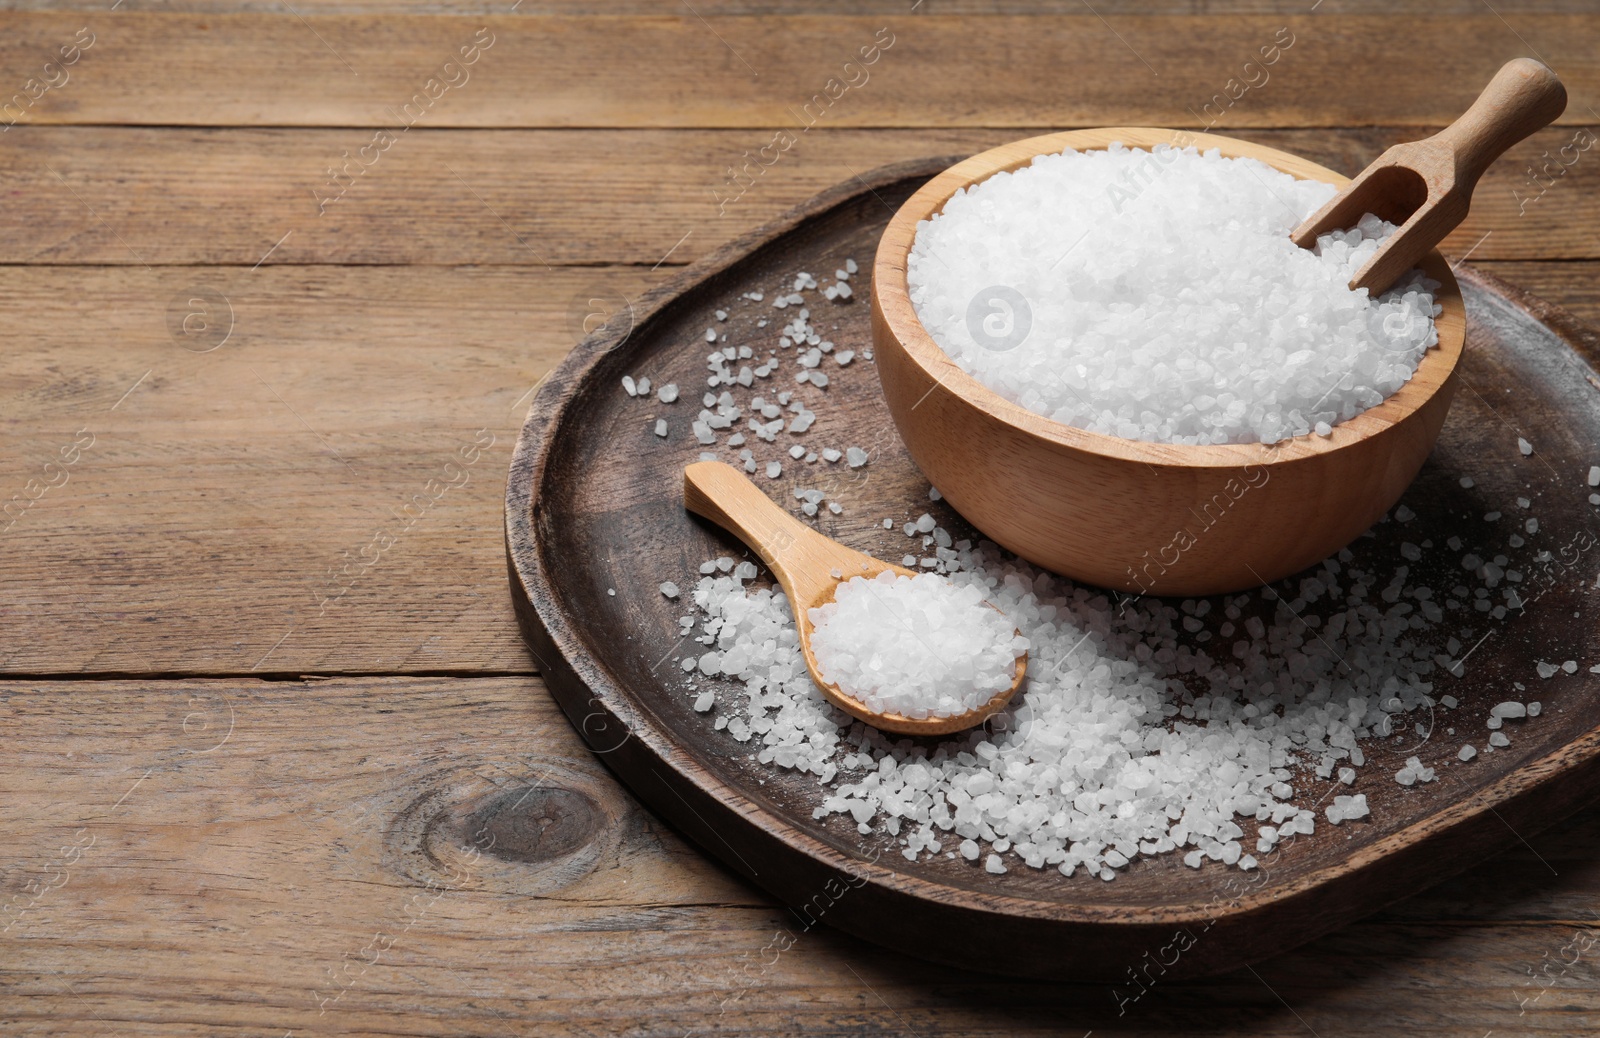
<point x="810" y="567"/>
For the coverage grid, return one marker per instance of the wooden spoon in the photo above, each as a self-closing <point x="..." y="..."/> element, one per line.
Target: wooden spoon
<point x="806" y="564"/>
<point x="1426" y="186"/>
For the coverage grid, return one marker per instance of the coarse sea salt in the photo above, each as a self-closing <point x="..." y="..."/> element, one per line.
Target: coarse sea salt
<point x="1155" y="295"/>
<point x="1127" y="741"/>
<point x="1143" y="729"/>
<point x="915" y="646"/>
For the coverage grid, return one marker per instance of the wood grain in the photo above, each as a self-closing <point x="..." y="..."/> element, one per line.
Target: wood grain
<point x="924" y="8"/>
<point x="238" y="197"/>
<point x="272" y="462"/>
<point x="691" y="71"/>
<point x="336" y="825"/>
<point x="203" y="462"/>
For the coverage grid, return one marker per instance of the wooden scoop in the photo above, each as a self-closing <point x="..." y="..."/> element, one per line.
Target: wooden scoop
<point x="805" y="563"/>
<point x="1426" y="186"/>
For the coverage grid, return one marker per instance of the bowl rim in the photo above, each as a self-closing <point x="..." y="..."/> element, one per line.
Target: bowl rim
<point x="891" y="298"/>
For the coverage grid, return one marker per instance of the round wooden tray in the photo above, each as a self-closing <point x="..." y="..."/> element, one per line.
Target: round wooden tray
<point x="594" y="505"/>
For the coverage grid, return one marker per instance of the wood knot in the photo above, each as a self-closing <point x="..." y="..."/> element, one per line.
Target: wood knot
<point x="535" y="823"/>
<point x="527" y="826"/>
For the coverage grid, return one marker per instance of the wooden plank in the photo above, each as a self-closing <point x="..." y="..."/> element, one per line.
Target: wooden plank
<point x="689" y="70"/>
<point x="404" y="856"/>
<point x="239" y="197"/>
<point x="1575" y="286"/>
<point x="279" y="462"/>
<point x="921" y="8"/>
<point x="271" y="460"/>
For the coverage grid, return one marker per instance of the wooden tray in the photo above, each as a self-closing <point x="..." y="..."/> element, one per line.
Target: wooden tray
<point x="594" y="503"/>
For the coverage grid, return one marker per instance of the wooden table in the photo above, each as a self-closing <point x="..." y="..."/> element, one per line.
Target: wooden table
<point x="265" y="701"/>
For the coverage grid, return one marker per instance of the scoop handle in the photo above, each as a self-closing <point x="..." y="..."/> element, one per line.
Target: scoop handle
<point x="721" y="493"/>
<point x="1523" y="97"/>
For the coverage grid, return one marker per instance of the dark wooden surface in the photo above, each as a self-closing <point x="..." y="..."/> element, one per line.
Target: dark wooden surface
<point x="202" y="564"/>
<point x="596" y="522"/>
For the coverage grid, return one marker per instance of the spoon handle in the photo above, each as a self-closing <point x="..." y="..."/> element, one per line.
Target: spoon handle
<point x="1525" y="96"/>
<point x="799" y="556"/>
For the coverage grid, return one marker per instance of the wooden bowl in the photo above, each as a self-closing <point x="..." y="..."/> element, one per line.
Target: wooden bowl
<point x="1150" y="518"/>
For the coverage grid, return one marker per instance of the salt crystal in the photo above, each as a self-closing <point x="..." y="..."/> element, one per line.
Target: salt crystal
<point x="705" y="701"/>
<point x="669" y="589"/>
<point x="1466" y="753"/>
<point x="856" y="457"/>
<point x="1348" y="808"/>
<point x="1272" y="330"/>
<point x="661" y="427"/>
<point x="667" y="393"/>
<point x="1524" y="446"/>
<point x="1467" y="483"/>
<point x="774" y="470"/>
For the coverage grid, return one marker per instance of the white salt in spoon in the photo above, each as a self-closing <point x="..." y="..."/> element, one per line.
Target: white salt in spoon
<point x="810" y="567"/>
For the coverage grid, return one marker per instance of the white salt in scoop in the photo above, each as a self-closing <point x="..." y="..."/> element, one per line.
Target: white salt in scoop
<point x="917" y="646"/>
<point x="906" y="687"/>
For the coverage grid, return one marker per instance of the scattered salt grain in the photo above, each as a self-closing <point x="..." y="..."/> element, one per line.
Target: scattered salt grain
<point x="1466" y="753"/>
<point x="856" y="457"/>
<point x="705" y="701"/>
<point x="1524" y="446"/>
<point x="667" y="393"/>
<point x="661" y="427"/>
<point x="1467" y="483"/>
<point x="774" y="469"/>
<point x="1348" y="808"/>
<point x="669" y="589"/>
